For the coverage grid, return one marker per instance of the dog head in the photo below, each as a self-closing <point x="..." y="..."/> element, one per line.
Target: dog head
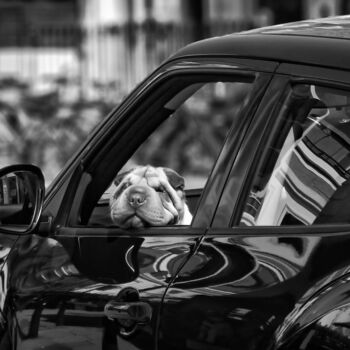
<point x="148" y="196"/>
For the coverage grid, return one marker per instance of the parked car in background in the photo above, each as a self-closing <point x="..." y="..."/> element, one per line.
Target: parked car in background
<point x="265" y="263"/>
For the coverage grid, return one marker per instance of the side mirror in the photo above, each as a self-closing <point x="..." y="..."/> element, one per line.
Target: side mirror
<point x="22" y="189"/>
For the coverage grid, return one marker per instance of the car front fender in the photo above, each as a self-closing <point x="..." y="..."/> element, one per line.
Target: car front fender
<point x="321" y="315"/>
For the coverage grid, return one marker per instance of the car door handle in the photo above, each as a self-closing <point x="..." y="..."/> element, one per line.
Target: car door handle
<point x="137" y="311"/>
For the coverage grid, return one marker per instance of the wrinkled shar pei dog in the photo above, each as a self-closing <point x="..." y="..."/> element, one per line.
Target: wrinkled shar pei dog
<point x="148" y="196"/>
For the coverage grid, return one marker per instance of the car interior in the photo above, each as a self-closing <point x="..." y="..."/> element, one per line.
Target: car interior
<point x="306" y="178"/>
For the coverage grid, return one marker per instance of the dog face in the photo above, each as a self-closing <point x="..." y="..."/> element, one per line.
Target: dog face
<point x="148" y="196"/>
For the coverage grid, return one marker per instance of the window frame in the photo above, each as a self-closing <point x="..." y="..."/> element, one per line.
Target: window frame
<point x="69" y="212"/>
<point x="332" y="78"/>
<point x="141" y="119"/>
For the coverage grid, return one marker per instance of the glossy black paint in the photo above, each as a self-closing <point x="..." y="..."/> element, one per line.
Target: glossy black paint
<point x="321" y="319"/>
<point x="244" y="310"/>
<point x="211" y="285"/>
<point x="301" y="42"/>
<point x="62" y="287"/>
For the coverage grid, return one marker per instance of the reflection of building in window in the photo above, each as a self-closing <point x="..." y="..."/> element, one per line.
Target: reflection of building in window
<point x="9" y="190"/>
<point x="307" y="174"/>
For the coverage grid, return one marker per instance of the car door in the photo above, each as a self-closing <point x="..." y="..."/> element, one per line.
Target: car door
<point x="82" y="282"/>
<point x="280" y="232"/>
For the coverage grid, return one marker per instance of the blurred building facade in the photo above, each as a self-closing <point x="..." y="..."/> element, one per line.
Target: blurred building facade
<point x="116" y="43"/>
<point x="112" y="43"/>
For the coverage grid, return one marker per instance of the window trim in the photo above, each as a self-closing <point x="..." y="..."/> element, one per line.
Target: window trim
<point x="248" y="150"/>
<point x="329" y="230"/>
<point x="92" y="162"/>
<point x="267" y="137"/>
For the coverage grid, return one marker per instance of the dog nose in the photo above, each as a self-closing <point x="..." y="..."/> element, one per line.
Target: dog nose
<point x="137" y="196"/>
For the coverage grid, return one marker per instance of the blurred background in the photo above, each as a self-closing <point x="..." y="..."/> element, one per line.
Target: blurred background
<point x="64" y="64"/>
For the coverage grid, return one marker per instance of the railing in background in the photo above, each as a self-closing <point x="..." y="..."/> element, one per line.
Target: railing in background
<point x="117" y="56"/>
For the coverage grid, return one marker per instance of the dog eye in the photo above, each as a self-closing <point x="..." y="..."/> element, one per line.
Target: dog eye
<point x="160" y="189"/>
<point x="121" y="188"/>
<point x="124" y="186"/>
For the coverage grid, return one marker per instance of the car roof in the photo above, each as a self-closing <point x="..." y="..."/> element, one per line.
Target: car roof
<point x="321" y="42"/>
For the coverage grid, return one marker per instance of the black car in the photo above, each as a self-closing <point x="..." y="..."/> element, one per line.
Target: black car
<point x="265" y="262"/>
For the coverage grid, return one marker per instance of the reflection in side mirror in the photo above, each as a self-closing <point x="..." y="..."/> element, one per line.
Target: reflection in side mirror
<point x="21" y="196"/>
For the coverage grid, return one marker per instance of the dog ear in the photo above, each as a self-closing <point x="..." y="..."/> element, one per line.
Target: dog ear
<point x="121" y="176"/>
<point x="175" y="180"/>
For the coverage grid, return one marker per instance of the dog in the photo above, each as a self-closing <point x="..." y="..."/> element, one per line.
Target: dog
<point x="148" y="196"/>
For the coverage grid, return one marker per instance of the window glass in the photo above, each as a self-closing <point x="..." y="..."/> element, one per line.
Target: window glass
<point x="303" y="178"/>
<point x="190" y="139"/>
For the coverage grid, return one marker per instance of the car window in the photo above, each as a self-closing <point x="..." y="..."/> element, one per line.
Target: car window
<point x="189" y="140"/>
<point x="303" y="176"/>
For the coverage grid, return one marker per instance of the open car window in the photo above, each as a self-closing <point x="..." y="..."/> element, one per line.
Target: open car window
<point x="196" y="119"/>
